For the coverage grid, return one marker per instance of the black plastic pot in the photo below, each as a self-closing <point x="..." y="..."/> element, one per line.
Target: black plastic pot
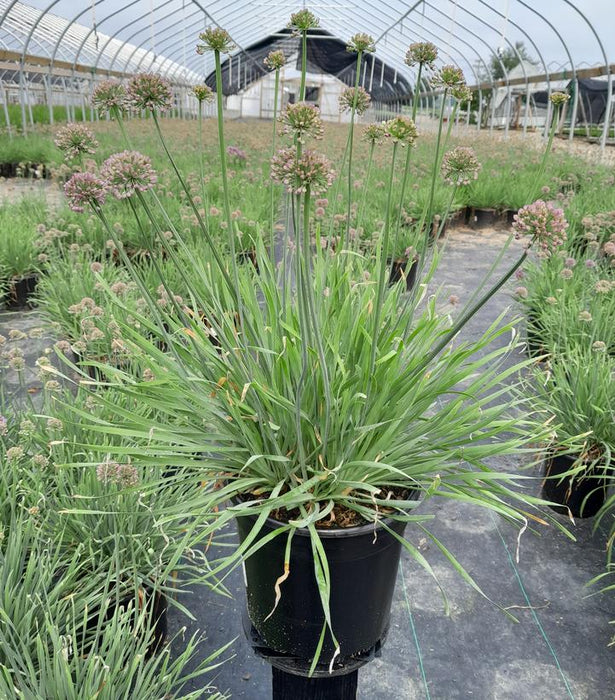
<point x="20" y="292"/>
<point x="155" y="602"/>
<point x="403" y="267"/>
<point x="582" y="495"/>
<point x="484" y="218"/>
<point x="363" y="564"/>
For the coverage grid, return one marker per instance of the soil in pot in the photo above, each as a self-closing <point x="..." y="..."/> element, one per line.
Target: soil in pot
<point x="582" y="495"/>
<point x="20" y="292"/>
<point x="363" y="564"/>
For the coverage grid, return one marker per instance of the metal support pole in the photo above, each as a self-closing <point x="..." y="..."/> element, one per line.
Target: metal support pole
<point x="607" y="114"/>
<point x="5" y="99"/>
<point x="575" y="108"/>
<point x="492" y="110"/>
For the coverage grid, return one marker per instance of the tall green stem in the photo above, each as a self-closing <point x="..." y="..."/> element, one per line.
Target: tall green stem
<point x="273" y="144"/>
<point x="541" y="170"/>
<point x="384" y="251"/>
<point x="303" y="65"/>
<point x="415" y="101"/>
<point x="368" y="171"/>
<point x="350" y="148"/>
<point x="225" y="189"/>
<point x="404" y="184"/>
<point x="210" y="242"/>
<point x="428" y="214"/>
<point x="201" y="156"/>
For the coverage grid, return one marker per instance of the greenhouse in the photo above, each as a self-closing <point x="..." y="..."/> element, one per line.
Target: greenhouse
<point x="307" y="350"/>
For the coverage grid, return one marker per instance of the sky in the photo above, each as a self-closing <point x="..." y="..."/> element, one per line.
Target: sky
<point x="467" y="31"/>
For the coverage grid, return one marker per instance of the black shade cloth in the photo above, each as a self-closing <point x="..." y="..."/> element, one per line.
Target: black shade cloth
<point x="324" y="55"/>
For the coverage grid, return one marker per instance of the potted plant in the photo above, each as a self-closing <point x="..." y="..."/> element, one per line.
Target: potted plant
<point x="577" y="391"/>
<point x="328" y="412"/>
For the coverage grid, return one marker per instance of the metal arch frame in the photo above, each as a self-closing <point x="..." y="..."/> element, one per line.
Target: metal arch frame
<point x="102" y="21"/>
<point x="121" y="44"/>
<point x="609" y="97"/>
<point x="67" y="29"/>
<point x="140" y="47"/>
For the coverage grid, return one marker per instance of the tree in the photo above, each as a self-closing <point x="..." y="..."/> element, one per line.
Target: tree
<point x="508" y="58"/>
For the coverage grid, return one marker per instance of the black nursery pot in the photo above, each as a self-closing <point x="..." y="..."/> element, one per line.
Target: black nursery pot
<point x="403" y="267"/>
<point x="20" y="292"/>
<point x="363" y="564"/>
<point x="484" y="218"/>
<point x="583" y="495"/>
<point x="156" y="603"/>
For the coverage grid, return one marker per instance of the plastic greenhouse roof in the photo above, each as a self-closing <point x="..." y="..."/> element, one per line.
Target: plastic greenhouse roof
<point x="160" y="35"/>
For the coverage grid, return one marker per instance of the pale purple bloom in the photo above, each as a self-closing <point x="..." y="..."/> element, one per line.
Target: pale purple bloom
<point x="347" y="99"/>
<point x="85" y="188"/>
<point x="75" y="140"/>
<point x="150" y="91"/>
<point x="301" y="119"/>
<point x="110" y="95"/>
<point x="312" y="170"/>
<point x="460" y="166"/>
<point x="421" y="52"/>
<point x="544" y="223"/>
<point x="235" y="152"/>
<point x="128" y="172"/>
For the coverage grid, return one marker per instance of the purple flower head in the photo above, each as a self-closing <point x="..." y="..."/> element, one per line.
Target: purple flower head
<point x="274" y="60"/>
<point x="544" y="223"/>
<point x="3" y="425"/>
<point x="401" y="130"/>
<point x="448" y="77"/>
<point x="128" y="172"/>
<point x="203" y="93"/>
<point x="361" y="101"/>
<point x="361" y="43"/>
<point x="374" y="133"/>
<point x="421" y="52"/>
<point x="460" y="166"/>
<point x="301" y="119"/>
<point x="303" y="20"/>
<point x="312" y="170"/>
<point x="215" y="39"/>
<point x="150" y="91"/>
<point x="235" y="152"/>
<point x="85" y="188"/>
<point x="110" y="95"/>
<point x="75" y="140"/>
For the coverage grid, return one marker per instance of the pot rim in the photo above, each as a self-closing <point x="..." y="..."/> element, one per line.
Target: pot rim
<point x="329" y="532"/>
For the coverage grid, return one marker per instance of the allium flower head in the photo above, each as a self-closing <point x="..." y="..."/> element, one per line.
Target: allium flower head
<point x="150" y="91"/>
<point x="312" y="170"/>
<point x="460" y="166"/>
<point x="521" y="292"/>
<point x="599" y="346"/>
<point x="347" y="99"/>
<point x="361" y="43"/>
<point x="3" y="425"/>
<point x="110" y="95"/>
<point x="544" y="223"/>
<point x="127" y="172"/>
<point x="274" y="60"/>
<point x="303" y="20"/>
<point x="374" y="133"/>
<point x="236" y="152"/>
<point x="215" y="39"/>
<point x="421" y="52"/>
<point x="401" y="130"/>
<point x="75" y="140"/>
<point x="461" y="93"/>
<point x="449" y="77"/>
<point x="585" y="316"/>
<point x="85" y="188"/>
<point x="603" y="286"/>
<point x="14" y="453"/>
<point x="301" y="119"/>
<point x="203" y="93"/>
<point x="559" y="98"/>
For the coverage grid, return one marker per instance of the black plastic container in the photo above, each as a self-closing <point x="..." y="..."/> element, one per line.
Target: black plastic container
<point x="20" y="292"/>
<point x="363" y="564"/>
<point x="403" y="268"/>
<point x="583" y="495"/>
